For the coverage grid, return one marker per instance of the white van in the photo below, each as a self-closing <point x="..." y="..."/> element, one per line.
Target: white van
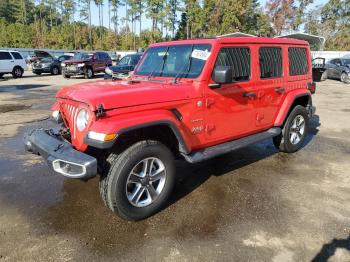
<point x="12" y="62"/>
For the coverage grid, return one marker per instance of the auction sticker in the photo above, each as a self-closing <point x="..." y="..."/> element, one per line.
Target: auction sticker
<point x="201" y="54"/>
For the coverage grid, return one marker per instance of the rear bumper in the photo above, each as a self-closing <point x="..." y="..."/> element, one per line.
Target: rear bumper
<point x="60" y="155"/>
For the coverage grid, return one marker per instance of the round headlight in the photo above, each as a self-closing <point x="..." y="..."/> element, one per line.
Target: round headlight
<point x="82" y="119"/>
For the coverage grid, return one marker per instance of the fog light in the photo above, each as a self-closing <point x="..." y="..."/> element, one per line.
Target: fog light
<point x="68" y="169"/>
<point x="56" y="115"/>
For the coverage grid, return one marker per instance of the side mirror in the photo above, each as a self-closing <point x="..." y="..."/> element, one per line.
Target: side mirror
<point x="222" y="74"/>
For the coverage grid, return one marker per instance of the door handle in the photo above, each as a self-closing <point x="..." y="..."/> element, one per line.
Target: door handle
<point x="280" y="90"/>
<point x="249" y="94"/>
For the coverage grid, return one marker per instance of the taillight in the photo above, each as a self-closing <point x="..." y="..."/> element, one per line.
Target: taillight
<point x="312" y="87"/>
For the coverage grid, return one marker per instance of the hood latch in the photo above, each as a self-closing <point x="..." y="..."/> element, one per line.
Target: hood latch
<point x="100" y="112"/>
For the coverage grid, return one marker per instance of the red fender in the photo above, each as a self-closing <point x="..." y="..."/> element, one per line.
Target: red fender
<point x="124" y="122"/>
<point x="287" y="103"/>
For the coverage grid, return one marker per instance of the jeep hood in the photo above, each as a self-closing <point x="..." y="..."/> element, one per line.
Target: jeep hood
<point x="118" y="94"/>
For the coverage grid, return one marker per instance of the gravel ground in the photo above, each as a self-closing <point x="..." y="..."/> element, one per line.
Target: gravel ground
<point x="254" y="204"/>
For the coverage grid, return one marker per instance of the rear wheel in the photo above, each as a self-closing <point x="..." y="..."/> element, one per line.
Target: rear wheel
<point x="294" y="131"/>
<point x="345" y="78"/>
<point x="138" y="181"/>
<point x="17" y="72"/>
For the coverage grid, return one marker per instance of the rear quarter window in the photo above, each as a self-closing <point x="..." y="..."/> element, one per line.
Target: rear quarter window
<point x="270" y="59"/>
<point x="16" y="55"/>
<point x="298" y="61"/>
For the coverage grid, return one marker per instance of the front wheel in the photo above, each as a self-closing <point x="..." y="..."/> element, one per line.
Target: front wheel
<point x="138" y="182"/>
<point x="294" y="131"/>
<point x="55" y="70"/>
<point x="345" y="78"/>
<point x="89" y="73"/>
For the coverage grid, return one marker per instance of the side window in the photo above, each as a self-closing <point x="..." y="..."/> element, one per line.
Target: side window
<point x="238" y="58"/>
<point x="16" y="56"/>
<point x="270" y="62"/>
<point x="298" y="64"/>
<point x="5" y="56"/>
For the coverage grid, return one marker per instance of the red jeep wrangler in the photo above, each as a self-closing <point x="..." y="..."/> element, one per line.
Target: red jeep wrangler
<point x="193" y="99"/>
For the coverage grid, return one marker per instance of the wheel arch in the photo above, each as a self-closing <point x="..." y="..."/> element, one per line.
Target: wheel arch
<point x="292" y="100"/>
<point x="164" y="130"/>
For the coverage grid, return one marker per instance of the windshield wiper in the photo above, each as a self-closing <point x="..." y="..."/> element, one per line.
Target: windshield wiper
<point x="162" y="67"/>
<point x="182" y="71"/>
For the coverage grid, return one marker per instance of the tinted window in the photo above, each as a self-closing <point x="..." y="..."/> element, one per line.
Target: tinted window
<point x="124" y="61"/>
<point x="298" y="64"/>
<point x="238" y="58"/>
<point x="134" y="60"/>
<point x="270" y="62"/>
<point x="5" y="56"/>
<point x="17" y="56"/>
<point x="175" y="60"/>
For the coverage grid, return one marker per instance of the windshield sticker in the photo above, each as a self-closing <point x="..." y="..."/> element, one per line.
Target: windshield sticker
<point x="162" y="53"/>
<point x="201" y="54"/>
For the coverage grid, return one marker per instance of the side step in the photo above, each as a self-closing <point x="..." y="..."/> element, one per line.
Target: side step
<point x="227" y="147"/>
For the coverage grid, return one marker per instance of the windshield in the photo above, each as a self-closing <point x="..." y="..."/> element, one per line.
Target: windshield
<point x="124" y="61"/>
<point x="169" y="61"/>
<point x="82" y="56"/>
<point x="346" y="61"/>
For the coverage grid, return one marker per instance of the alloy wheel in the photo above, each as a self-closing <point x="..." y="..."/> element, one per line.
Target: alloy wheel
<point x="297" y="129"/>
<point x="146" y="182"/>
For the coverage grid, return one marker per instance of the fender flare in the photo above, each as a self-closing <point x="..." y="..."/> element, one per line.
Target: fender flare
<point x="167" y="120"/>
<point x="288" y="103"/>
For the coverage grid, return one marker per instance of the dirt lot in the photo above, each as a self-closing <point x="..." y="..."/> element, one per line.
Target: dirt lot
<point x="251" y="205"/>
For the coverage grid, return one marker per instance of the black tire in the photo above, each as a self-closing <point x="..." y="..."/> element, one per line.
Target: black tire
<point x="345" y="78"/>
<point x="283" y="142"/>
<point x="1" y="75"/>
<point x="113" y="183"/>
<point x="55" y="70"/>
<point x="17" y="72"/>
<point x="89" y="73"/>
<point x="66" y="76"/>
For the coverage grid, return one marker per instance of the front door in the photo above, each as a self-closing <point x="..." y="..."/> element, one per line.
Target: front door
<point x="229" y="108"/>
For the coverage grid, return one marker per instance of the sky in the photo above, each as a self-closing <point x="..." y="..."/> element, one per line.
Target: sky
<point x="147" y="22"/>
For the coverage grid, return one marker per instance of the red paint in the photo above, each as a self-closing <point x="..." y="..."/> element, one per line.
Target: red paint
<point x="209" y="116"/>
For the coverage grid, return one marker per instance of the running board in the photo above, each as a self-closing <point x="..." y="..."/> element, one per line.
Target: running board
<point x="227" y="147"/>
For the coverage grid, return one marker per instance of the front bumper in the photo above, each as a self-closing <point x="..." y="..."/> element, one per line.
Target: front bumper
<point x="41" y="70"/>
<point x="73" y="70"/>
<point x="60" y="155"/>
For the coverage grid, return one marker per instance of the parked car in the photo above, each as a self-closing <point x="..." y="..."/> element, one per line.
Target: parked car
<point x="339" y="68"/>
<point x="123" y="68"/>
<point x="87" y="64"/>
<point x="190" y="100"/>
<point x="12" y="62"/>
<point x="46" y="63"/>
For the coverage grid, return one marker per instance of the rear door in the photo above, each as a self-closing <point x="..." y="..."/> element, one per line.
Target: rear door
<point x="270" y="84"/>
<point x="229" y="112"/>
<point x="6" y="62"/>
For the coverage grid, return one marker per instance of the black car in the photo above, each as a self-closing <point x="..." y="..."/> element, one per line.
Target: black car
<point x="46" y="63"/>
<point x="123" y="68"/>
<point x="339" y="68"/>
